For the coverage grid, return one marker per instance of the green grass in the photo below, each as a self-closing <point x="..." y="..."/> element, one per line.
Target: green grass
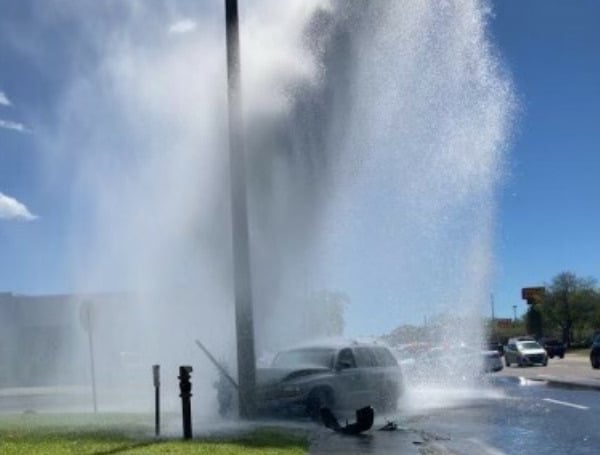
<point x="119" y="434"/>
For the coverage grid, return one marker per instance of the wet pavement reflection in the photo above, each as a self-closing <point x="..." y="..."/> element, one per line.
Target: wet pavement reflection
<point x="508" y="416"/>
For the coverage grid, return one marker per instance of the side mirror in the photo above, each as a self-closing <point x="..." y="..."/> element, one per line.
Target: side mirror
<point x="343" y="365"/>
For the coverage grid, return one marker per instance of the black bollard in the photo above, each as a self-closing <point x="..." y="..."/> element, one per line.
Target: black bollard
<point x="185" y="386"/>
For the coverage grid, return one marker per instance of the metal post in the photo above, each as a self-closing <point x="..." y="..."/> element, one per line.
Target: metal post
<point x="88" y="317"/>
<point x="156" y="378"/>
<point x="185" y="387"/>
<point x="515" y="313"/>
<point x="239" y="217"/>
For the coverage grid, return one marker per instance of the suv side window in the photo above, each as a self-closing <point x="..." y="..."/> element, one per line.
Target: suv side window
<point x="384" y="357"/>
<point x="345" y="359"/>
<point x="365" y="358"/>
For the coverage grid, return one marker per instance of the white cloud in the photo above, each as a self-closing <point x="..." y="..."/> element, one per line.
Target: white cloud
<point x="4" y="99"/>
<point x="11" y="209"/>
<point x="15" y="126"/>
<point x="182" y="26"/>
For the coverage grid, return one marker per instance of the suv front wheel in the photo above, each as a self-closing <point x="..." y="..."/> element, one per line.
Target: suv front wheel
<point x="317" y="399"/>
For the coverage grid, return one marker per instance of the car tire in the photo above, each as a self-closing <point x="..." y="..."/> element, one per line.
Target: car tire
<point x="551" y="356"/>
<point x="317" y="399"/>
<point x="562" y="356"/>
<point x="545" y="363"/>
<point x="506" y="361"/>
<point x="595" y="362"/>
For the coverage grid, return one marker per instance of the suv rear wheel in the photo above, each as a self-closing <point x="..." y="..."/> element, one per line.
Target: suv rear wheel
<point x="388" y="399"/>
<point x="595" y="362"/>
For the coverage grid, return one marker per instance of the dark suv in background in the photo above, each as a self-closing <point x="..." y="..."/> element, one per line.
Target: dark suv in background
<point x="595" y="352"/>
<point x="553" y="347"/>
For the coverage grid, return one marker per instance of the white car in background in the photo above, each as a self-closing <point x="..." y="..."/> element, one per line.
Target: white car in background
<point x="491" y="360"/>
<point x="449" y="361"/>
<point x="524" y="352"/>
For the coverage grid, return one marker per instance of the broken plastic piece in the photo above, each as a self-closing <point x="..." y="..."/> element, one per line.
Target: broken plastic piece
<point x="364" y="421"/>
<point x="390" y="426"/>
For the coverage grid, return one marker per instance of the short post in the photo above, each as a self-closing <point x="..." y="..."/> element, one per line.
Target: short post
<point x="185" y="386"/>
<point x="87" y="320"/>
<point x="156" y="378"/>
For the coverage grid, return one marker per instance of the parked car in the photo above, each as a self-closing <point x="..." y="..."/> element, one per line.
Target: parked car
<point x="452" y="358"/>
<point x="448" y="364"/>
<point x="495" y="346"/>
<point x="492" y="361"/>
<point x="553" y="347"/>
<point x="524" y="351"/>
<point x="341" y="377"/>
<point x="595" y="352"/>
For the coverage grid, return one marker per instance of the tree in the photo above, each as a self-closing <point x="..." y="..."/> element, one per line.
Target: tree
<point x="534" y="321"/>
<point x="570" y="303"/>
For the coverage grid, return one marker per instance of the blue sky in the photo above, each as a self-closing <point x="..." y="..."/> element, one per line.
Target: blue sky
<point x="548" y="218"/>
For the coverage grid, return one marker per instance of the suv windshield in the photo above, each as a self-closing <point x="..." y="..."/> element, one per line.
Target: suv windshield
<point x="529" y="345"/>
<point x="304" y="357"/>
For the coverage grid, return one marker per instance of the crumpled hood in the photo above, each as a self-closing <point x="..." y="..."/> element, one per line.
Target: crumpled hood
<point x="269" y="376"/>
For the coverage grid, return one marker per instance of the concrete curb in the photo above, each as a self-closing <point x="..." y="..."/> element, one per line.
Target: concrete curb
<point x="564" y="383"/>
<point x="571" y="384"/>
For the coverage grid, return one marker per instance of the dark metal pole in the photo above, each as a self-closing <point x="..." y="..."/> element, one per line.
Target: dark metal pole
<point x="156" y="378"/>
<point x="239" y="216"/>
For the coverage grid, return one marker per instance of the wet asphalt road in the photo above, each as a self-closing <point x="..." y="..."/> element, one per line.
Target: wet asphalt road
<point x="509" y="416"/>
<point x="514" y="416"/>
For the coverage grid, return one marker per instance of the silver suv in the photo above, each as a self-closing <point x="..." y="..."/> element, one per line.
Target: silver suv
<point x="341" y="377"/>
<point x="524" y="351"/>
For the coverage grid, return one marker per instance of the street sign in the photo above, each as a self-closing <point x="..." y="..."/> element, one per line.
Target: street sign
<point x="533" y="294"/>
